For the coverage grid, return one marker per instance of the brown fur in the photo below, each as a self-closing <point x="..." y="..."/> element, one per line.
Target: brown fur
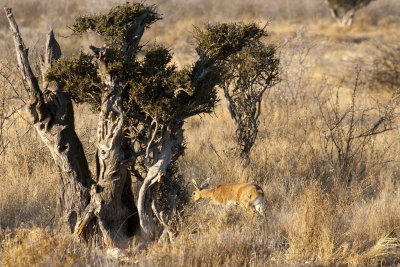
<point x="244" y="194"/>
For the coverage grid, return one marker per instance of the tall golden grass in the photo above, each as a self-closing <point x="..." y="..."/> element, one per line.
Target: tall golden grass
<point x="315" y="217"/>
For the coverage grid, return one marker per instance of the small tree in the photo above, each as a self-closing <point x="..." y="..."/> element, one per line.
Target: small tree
<point x="343" y="10"/>
<point x="142" y="104"/>
<point x="248" y="74"/>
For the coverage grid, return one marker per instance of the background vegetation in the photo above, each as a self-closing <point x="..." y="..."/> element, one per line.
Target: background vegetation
<point x="316" y="214"/>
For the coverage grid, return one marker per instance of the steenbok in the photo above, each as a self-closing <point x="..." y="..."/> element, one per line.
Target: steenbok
<point x="249" y="196"/>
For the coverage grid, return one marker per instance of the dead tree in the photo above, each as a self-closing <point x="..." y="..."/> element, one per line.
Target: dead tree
<point x="343" y="11"/>
<point x="249" y="73"/>
<point x="142" y="104"/>
<point x="53" y="119"/>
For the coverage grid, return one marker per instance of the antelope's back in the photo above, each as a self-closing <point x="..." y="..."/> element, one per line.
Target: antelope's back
<point x="237" y="191"/>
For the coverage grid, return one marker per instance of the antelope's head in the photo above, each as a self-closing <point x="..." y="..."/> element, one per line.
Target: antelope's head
<point x="197" y="194"/>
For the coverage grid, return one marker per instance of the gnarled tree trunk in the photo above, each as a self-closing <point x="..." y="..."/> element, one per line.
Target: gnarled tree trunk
<point x="84" y="204"/>
<point x="107" y="206"/>
<point x="147" y="203"/>
<point x="53" y="118"/>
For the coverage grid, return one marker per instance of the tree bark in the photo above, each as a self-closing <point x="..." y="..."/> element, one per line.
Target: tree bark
<point x="107" y="207"/>
<point x="82" y="203"/>
<point x="53" y="118"/>
<point x="344" y="20"/>
<point x="147" y="204"/>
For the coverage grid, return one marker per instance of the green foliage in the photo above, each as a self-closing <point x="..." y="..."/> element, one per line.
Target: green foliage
<point x="218" y="41"/>
<point x="158" y="88"/>
<point x="116" y="25"/>
<point x="154" y="89"/>
<point x="165" y="93"/>
<point x="255" y="65"/>
<point x="79" y="78"/>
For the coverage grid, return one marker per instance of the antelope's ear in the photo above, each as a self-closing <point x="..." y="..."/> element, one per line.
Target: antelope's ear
<point x="195" y="184"/>
<point x="205" y="184"/>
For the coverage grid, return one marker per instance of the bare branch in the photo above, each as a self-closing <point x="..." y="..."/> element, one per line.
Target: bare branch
<point x="38" y="108"/>
<point x="151" y="140"/>
<point x="161" y="218"/>
<point x="52" y="54"/>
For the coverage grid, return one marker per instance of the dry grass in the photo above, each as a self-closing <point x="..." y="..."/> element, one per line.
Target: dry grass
<point x="314" y="217"/>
